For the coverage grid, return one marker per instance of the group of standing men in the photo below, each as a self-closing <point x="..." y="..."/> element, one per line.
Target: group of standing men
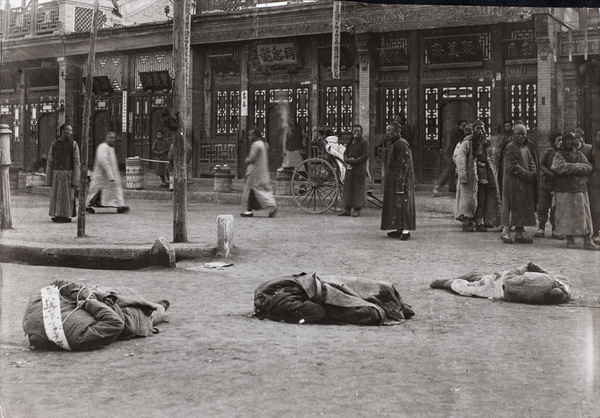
<point x="63" y="176"/>
<point x="505" y="183"/>
<point x="398" y="208"/>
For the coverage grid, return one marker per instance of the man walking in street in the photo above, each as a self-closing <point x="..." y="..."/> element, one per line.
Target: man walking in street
<point x="106" y="189"/>
<point x="355" y="156"/>
<point x="478" y="196"/>
<point x="63" y="174"/>
<point x="399" y="186"/>
<point x="448" y="165"/>
<point x="258" y="193"/>
<point x="518" y="191"/>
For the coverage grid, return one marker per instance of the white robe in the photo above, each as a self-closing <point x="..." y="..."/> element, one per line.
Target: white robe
<point x="106" y="178"/>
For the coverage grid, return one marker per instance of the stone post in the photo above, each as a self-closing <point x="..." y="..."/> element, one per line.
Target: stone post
<point x="5" y="215"/>
<point x="224" y="235"/>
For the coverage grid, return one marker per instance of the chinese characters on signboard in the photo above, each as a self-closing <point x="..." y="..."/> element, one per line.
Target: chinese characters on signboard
<point x="521" y="49"/>
<point x="124" y="113"/>
<point x="336" y="39"/>
<point x="277" y="54"/>
<point x="244" y="103"/>
<point x="453" y="50"/>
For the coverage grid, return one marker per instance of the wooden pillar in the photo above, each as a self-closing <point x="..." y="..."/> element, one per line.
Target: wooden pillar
<point x="87" y="114"/>
<point x="364" y="84"/>
<point x="547" y="117"/>
<point x="181" y="36"/>
<point x="315" y="93"/>
<point x="62" y="89"/>
<point x="21" y="139"/>
<point x="244" y="103"/>
<point x="498" y="95"/>
<point x="415" y="105"/>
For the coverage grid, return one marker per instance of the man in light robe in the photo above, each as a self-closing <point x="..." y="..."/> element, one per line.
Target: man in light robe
<point x="105" y="189"/>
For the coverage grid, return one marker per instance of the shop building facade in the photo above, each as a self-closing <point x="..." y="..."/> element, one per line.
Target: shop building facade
<point x="264" y="66"/>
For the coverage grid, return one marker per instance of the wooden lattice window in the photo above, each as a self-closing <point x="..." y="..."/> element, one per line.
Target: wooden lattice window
<point x="396" y="99"/>
<point x="339" y="108"/>
<point x="521" y="34"/>
<point x="523" y="103"/>
<point x="228" y="111"/>
<point x="83" y="19"/>
<point x="141" y="121"/>
<point x="484" y="106"/>
<point x="260" y="109"/>
<point x="432" y="100"/>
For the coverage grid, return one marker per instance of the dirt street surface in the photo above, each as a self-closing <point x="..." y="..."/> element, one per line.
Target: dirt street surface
<point x="458" y="356"/>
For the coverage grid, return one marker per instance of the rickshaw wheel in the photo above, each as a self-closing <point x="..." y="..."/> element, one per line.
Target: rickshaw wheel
<point x="315" y="185"/>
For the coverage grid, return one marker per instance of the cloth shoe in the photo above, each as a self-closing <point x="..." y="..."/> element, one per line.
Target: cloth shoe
<point x="481" y="228"/>
<point x="559" y="237"/>
<point x="61" y="220"/>
<point x="355" y="214"/>
<point x="273" y="213"/>
<point x="596" y="240"/>
<point x="123" y="209"/>
<point x="589" y="245"/>
<point x="394" y="234"/>
<point x="468" y="227"/>
<point x="540" y="233"/>
<point x="523" y="240"/>
<point x="89" y="209"/>
<point x="404" y="236"/>
<point x="344" y="213"/>
<point x="506" y="238"/>
<point x="247" y="215"/>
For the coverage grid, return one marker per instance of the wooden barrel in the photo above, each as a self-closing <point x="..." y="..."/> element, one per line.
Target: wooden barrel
<point x="134" y="173"/>
<point x="223" y="179"/>
<point x="283" y="181"/>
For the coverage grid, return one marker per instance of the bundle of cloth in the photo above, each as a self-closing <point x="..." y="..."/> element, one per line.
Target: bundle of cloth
<point x="71" y="316"/>
<point x="310" y="298"/>
<point x="529" y="283"/>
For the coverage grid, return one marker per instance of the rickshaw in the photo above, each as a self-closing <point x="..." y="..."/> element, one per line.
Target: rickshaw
<point x="317" y="181"/>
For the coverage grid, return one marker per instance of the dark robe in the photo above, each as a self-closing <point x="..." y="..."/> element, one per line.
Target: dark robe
<point x="63" y="174"/>
<point x="399" y="209"/>
<point x="309" y="298"/>
<point x="518" y="190"/>
<point x="356" y="155"/>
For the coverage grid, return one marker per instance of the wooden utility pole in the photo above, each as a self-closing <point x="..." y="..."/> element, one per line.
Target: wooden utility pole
<point x="181" y="45"/>
<point x="87" y="112"/>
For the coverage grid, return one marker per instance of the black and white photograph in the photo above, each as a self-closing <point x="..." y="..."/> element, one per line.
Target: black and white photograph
<point x="299" y="208"/>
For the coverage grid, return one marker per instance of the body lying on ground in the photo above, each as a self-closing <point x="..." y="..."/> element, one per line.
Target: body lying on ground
<point x="71" y="316"/>
<point x="529" y="283"/>
<point x="306" y="298"/>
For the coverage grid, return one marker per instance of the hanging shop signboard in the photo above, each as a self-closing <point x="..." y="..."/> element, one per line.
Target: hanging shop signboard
<point x="277" y="54"/>
<point x="453" y="50"/>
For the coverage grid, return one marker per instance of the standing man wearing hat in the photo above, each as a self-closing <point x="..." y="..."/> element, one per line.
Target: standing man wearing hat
<point x="478" y="195"/>
<point x="573" y="215"/>
<point x="398" y="211"/>
<point x="518" y="188"/>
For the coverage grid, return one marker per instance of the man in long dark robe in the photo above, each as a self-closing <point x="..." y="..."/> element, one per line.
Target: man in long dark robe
<point x="518" y="191"/>
<point x="355" y="156"/>
<point x="398" y="211"/>
<point x="62" y="174"/>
